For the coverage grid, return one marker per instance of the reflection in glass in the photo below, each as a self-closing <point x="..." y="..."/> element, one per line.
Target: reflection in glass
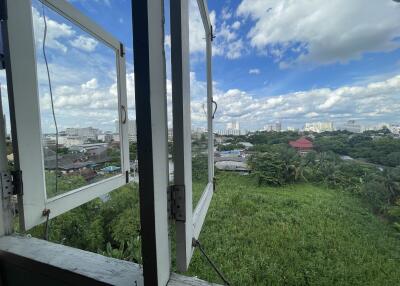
<point x="198" y="93"/>
<point x="81" y="140"/>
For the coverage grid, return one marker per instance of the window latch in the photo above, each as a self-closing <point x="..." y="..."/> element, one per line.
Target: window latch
<point x="11" y="183"/>
<point x="176" y="203"/>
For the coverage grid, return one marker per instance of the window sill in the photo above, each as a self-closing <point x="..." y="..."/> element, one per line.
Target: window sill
<point x="52" y="262"/>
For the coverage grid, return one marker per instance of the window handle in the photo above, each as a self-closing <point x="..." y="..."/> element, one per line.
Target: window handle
<point x="216" y="107"/>
<point x="123" y="114"/>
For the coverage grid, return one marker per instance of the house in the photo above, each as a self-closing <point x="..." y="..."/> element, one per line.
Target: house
<point x="302" y="145"/>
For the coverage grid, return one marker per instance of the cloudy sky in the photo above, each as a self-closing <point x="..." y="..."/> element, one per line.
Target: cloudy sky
<point x="293" y="61"/>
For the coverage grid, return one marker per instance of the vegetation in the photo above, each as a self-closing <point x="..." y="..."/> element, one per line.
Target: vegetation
<point x="230" y="147"/>
<point x="109" y="225"/>
<point x="280" y="165"/>
<point x="295" y="220"/>
<point x="65" y="183"/>
<point x="298" y="234"/>
<point x="377" y="147"/>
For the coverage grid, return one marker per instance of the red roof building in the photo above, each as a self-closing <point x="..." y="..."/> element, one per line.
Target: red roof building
<point x="302" y="145"/>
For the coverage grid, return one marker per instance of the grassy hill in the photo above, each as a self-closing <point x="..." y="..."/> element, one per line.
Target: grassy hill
<point x="295" y="235"/>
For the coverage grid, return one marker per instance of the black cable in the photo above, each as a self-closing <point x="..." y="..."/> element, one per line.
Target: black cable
<point x="197" y="243"/>
<point x="51" y="91"/>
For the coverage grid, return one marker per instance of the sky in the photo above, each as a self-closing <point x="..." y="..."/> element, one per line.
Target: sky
<point x="273" y="60"/>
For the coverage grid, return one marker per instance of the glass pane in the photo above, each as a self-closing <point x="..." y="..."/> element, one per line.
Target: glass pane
<point x="78" y="104"/>
<point x="198" y="93"/>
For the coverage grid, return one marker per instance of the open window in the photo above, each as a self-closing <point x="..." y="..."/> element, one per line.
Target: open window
<point x="67" y="85"/>
<point x="191" y="37"/>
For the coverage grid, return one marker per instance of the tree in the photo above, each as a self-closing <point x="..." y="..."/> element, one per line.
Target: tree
<point x="269" y="168"/>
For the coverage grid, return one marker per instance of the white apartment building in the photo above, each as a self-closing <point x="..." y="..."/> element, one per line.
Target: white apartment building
<point x="319" y="127"/>
<point x="277" y="127"/>
<point x="235" y="125"/>
<point x="84" y="133"/>
<point x="132" y="132"/>
<point x="352" y="126"/>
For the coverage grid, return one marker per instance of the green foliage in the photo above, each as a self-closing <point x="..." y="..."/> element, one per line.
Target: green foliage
<point x="269" y="168"/>
<point x="291" y="235"/>
<point x="375" y="147"/>
<point x="115" y="156"/>
<point x="230" y="147"/>
<point x="272" y="138"/>
<point x="9" y="147"/>
<point x="294" y="235"/>
<point x="132" y="150"/>
<point x="109" y="226"/>
<point x="200" y="167"/>
<point x="65" y="183"/>
<point x="63" y="150"/>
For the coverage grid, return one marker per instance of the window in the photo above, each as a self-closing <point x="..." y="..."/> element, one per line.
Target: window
<point x="66" y="125"/>
<point x="191" y="35"/>
<point x="47" y="119"/>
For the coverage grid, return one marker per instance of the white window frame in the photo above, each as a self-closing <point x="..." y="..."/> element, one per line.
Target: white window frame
<point x="23" y="86"/>
<point x="189" y="228"/>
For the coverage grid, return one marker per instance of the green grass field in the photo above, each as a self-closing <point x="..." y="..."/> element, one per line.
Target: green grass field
<point x="295" y="235"/>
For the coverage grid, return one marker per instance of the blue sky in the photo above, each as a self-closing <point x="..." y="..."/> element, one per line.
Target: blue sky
<point x="292" y="61"/>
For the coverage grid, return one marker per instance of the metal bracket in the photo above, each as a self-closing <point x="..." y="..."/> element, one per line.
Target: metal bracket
<point x="6" y="185"/>
<point x="214" y="184"/>
<point x="11" y="183"/>
<point x="212" y="34"/>
<point x="176" y="203"/>
<point x="121" y="50"/>
<point x="127" y="177"/>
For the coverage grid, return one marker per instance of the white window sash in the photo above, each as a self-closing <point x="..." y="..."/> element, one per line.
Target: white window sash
<point x="27" y="130"/>
<point x="190" y="228"/>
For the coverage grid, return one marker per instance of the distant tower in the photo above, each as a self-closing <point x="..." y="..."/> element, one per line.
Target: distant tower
<point x="237" y="125"/>
<point x="278" y="126"/>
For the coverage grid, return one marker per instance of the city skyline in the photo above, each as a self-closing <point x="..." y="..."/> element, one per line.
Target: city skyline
<point x="258" y="78"/>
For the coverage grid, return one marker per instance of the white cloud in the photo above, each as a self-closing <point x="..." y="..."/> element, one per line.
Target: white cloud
<point x="321" y="31"/>
<point x="87" y="44"/>
<point x="374" y="102"/>
<point x="235" y="49"/>
<point x="167" y="41"/>
<point x="236" y="25"/>
<point x="197" y="42"/>
<point x="226" y="14"/>
<point x="91" y="84"/>
<point x="227" y="42"/>
<point x="254" y="71"/>
<point x="56" y="32"/>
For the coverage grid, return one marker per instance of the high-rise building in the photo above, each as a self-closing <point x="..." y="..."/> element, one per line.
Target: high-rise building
<point x="352" y="126"/>
<point x="234" y="125"/>
<point x="132" y="133"/>
<point x="277" y="127"/>
<point x="84" y="133"/>
<point x="319" y="127"/>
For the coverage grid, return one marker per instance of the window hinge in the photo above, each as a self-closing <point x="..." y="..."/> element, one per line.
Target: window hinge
<point x="212" y="34"/>
<point x="176" y="203"/>
<point x="11" y="183"/>
<point x="121" y="50"/>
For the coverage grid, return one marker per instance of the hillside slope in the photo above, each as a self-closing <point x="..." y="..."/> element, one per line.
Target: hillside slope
<point x="295" y="235"/>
